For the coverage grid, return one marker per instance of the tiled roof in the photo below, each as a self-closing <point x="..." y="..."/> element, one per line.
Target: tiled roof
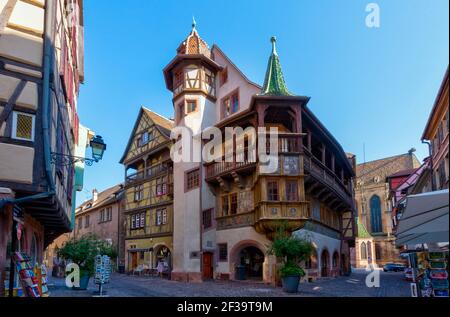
<point x="104" y="198"/>
<point x="274" y="84"/>
<point x="362" y="231"/>
<point x="165" y="124"/>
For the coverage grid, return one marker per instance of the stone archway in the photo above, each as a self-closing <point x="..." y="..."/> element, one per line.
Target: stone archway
<point x="162" y="253"/>
<point x="252" y="255"/>
<point x="325" y="263"/>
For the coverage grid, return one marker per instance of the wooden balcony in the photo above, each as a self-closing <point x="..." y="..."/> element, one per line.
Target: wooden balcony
<point x="236" y="221"/>
<point x="271" y="214"/>
<point x="151" y="172"/>
<point x="244" y="161"/>
<point x="240" y="162"/>
<point x="327" y="178"/>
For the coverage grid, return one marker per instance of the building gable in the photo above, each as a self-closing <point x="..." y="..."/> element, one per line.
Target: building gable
<point x="150" y="133"/>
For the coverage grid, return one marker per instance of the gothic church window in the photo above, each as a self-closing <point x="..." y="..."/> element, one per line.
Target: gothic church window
<point x="375" y="214"/>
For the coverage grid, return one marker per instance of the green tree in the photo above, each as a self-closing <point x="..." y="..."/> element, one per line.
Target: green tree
<point x="82" y="251"/>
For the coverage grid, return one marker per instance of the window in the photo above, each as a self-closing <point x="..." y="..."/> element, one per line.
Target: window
<point x="139" y="193"/>
<point x="192" y="179"/>
<point x="144" y="139"/>
<point x="191" y="106"/>
<point x="225" y="206"/>
<point x="23" y="126"/>
<point x="224" y="76"/>
<point x="230" y="105"/>
<point x="233" y="203"/>
<point x="80" y="223"/>
<point x="207" y="219"/>
<point x="138" y="221"/>
<point x="109" y="213"/>
<point x="223" y="252"/>
<point x="363" y="251"/>
<point x="291" y="190"/>
<point x="375" y="214"/>
<point x="272" y="191"/>
<point x="209" y="80"/>
<point x="161" y="186"/>
<point x="86" y="221"/>
<point x="142" y="255"/>
<point x="161" y="217"/>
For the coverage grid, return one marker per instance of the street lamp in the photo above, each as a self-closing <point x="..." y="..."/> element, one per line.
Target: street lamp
<point x="98" y="149"/>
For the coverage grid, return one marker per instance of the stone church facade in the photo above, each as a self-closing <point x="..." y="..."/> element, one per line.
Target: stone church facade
<point x="374" y="212"/>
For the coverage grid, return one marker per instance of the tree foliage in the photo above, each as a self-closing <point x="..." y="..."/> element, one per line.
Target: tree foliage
<point x="82" y="251"/>
<point x="291" y="251"/>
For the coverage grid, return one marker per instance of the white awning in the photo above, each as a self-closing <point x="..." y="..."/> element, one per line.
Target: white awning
<point x="425" y="219"/>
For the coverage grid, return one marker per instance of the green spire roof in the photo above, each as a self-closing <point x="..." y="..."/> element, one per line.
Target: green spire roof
<point x="362" y="231"/>
<point x="274" y="83"/>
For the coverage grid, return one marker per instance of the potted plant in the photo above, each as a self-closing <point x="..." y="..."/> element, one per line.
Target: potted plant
<point x="82" y="251"/>
<point x="291" y="251"/>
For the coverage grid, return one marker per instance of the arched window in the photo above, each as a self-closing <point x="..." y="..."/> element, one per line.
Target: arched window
<point x="335" y="260"/>
<point x="363" y="251"/>
<point x="375" y="214"/>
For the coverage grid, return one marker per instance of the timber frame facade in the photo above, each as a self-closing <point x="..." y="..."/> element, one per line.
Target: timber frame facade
<point x="226" y="212"/>
<point x="148" y="193"/>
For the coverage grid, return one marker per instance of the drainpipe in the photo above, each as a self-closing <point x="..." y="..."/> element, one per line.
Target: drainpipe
<point x="433" y="185"/>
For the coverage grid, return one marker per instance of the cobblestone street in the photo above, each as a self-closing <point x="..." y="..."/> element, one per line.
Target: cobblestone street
<point x="391" y="285"/>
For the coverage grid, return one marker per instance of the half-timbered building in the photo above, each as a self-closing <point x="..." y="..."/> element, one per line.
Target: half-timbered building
<point x="41" y="69"/>
<point x="227" y="211"/>
<point x="148" y="194"/>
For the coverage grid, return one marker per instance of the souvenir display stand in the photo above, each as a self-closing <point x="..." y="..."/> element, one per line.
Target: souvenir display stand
<point x="431" y="271"/>
<point x="27" y="278"/>
<point x="41" y="274"/>
<point x="102" y="272"/>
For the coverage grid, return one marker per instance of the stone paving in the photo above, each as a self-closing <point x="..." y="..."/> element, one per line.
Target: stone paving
<point x="391" y="285"/>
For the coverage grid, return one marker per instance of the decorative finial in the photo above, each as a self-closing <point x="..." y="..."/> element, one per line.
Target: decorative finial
<point x="273" y="39"/>
<point x="194" y="24"/>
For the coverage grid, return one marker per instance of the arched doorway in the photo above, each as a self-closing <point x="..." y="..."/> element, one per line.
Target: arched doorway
<point x="324" y="263"/>
<point x="163" y="256"/>
<point x="252" y="259"/>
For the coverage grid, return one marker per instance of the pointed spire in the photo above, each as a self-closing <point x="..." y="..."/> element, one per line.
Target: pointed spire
<point x="194" y="23"/>
<point x="274" y="83"/>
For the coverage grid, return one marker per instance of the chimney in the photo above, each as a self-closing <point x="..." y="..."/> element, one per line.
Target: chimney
<point x="94" y="195"/>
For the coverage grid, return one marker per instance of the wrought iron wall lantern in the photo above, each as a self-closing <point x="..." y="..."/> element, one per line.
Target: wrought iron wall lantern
<point x="98" y="148"/>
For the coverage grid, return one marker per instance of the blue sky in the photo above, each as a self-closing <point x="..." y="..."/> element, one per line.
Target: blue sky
<point x="372" y="86"/>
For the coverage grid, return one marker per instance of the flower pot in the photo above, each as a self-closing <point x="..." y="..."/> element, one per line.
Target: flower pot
<point x="84" y="282"/>
<point x="290" y="283"/>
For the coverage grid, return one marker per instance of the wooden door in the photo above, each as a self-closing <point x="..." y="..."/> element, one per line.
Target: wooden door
<point x="207" y="266"/>
<point x="134" y="260"/>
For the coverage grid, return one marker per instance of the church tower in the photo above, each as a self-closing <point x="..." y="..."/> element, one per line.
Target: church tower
<point x="191" y="77"/>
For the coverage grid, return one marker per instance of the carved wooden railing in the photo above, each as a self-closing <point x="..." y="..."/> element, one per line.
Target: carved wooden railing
<point x="319" y="171"/>
<point x="152" y="171"/>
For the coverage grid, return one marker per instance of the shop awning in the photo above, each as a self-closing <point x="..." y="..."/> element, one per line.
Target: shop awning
<point x="140" y="250"/>
<point x="425" y="219"/>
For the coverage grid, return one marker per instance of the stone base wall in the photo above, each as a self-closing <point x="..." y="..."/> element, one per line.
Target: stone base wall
<point x="187" y="277"/>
